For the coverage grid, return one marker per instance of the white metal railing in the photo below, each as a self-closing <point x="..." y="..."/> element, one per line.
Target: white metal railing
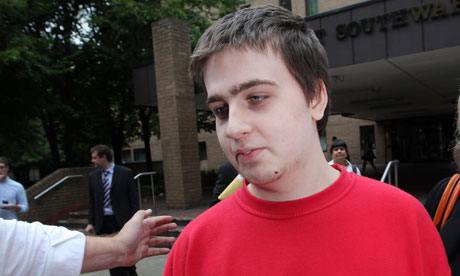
<point x="56" y="184"/>
<point x="139" y="189"/>
<point x="391" y="166"/>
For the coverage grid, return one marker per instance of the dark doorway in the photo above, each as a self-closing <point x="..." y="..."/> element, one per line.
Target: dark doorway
<point x="423" y="139"/>
<point x="367" y="137"/>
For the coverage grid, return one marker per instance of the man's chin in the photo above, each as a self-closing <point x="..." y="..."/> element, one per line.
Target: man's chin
<point x="261" y="177"/>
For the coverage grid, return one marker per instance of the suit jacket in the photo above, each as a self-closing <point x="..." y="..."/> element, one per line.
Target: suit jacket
<point x="225" y="176"/>
<point x="123" y="194"/>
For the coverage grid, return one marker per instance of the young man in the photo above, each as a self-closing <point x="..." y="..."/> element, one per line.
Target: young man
<point x="12" y="194"/>
<point x="113" y="198"/>
<point x="265" y="74"/>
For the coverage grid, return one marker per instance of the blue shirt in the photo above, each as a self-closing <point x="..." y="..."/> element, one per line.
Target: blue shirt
<point x="14" y="193"/>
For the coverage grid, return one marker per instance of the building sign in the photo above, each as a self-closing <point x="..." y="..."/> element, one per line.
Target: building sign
<point x="395" y="19"/>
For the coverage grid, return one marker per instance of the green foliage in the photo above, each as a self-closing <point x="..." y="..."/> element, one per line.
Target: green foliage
<point x="206" y="121"/>
<point x="67" y="68"/>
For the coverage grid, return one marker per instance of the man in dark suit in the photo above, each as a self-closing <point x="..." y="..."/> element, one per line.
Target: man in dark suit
<point x="225" y="176"/>
<point x="113" y="198"/>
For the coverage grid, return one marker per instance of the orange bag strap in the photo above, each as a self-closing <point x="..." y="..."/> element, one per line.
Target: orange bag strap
<point x="446" y="204"/>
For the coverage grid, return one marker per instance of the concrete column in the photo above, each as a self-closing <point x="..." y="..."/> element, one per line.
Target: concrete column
<point x="177" y="113"/>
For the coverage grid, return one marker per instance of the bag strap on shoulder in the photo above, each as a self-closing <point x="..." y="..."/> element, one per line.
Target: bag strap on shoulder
<point x="448" y="199"/>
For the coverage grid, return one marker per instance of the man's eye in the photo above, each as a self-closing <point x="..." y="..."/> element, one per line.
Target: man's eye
<point x="221" y="110"/>
<point x="256" y="98"/>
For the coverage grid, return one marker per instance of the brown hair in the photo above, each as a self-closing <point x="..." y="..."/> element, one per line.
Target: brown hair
<point x="102" y="150"/>
<point x="256" y="28"/>
<point x="5" y="161"/>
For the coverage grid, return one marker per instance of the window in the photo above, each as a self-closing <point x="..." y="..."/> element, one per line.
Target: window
<point x="126" y="156"/>
<point x="202" y="151"/>
<point x="311" y="7"/>
<point x="139" y="155"/>
<point x="323" y="142"/>
<point x="286" y="4"/>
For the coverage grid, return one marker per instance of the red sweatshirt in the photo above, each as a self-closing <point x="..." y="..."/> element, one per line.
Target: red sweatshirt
<point x="357" y="226"/>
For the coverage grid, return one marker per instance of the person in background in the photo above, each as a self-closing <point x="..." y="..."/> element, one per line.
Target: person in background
<point x="266" y="78"/>
<point x="339" y="151"/>
<point x="12" y="194"/>
<point x="113" y="198"/>
<point x="37" y="249"/>
<point x="368" y="155"/>
<point x="225" y="176"/>
<point x="448" y="223"/>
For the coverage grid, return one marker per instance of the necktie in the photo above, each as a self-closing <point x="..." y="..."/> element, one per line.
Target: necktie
<point x="106" y="185"/>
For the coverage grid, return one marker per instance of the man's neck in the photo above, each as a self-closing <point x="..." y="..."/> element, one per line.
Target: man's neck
<point x="312" y="179"/>
<point x="107" y="166"/>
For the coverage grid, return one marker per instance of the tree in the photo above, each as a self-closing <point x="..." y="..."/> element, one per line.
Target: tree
<point x="67" y="67"/>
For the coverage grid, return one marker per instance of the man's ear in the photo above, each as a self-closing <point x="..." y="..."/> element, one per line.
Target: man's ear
<point x="319" y="101"/>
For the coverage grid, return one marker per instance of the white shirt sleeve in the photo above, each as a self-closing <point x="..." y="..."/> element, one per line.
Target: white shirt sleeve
<point x="37" y="249"/>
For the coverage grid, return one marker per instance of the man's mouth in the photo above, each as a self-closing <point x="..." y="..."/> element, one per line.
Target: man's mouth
<point x="243" y="151"/>
<point x="247" y="154"/>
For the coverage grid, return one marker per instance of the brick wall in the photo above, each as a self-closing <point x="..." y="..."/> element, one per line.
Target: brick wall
<point x="347" y="129"/>
<point x="176" y="109"/>
<point x="72" y="194"/>
<point x="216" y="156"/>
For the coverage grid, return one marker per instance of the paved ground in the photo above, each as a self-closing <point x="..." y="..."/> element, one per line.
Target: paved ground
<point x="414" y="178"/>
<point x="150" y="266"/>
<point x="153" y="266"/>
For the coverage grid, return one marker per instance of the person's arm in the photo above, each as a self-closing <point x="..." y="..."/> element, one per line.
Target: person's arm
<point x="134" y="242"/>
<point x="22" y="200"/>
<point x="358" y="172"/>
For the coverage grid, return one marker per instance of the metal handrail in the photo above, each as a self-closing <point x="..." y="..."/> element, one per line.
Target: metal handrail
<point x="139" y="189"/>
<point x="388" y="172"/>
<point x="56" y="184"/>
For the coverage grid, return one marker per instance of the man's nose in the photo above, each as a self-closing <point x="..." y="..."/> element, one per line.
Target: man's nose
<point x="238" y="123"/>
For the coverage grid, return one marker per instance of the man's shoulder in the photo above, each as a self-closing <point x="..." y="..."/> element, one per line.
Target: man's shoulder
<point x="94" y="172"/>
<point x="122" y="168"/>
<point x="12" y="182"/>
<point x="385" y="194"/>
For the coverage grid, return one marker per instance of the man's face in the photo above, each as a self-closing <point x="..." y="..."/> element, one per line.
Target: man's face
<point x="98" y="162"/>
<point x="3" y="171"/>
<point x="263" y="120"/>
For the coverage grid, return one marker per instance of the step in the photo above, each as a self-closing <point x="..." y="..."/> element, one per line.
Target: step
<point x="80" y="214"/>
<point x="182" y="221"/>
<point x="73" y="223"/>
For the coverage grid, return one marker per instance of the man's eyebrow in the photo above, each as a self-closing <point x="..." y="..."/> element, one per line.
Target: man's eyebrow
<point x="248" y="84"/>
<point x="241" y="87"/>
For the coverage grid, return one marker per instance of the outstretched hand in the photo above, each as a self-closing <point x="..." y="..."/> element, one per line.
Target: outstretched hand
<point x="137" y="238"/>
<point x="135" y="241"/>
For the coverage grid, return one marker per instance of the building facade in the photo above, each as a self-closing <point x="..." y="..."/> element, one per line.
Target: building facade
<point x="395" y="73"/>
